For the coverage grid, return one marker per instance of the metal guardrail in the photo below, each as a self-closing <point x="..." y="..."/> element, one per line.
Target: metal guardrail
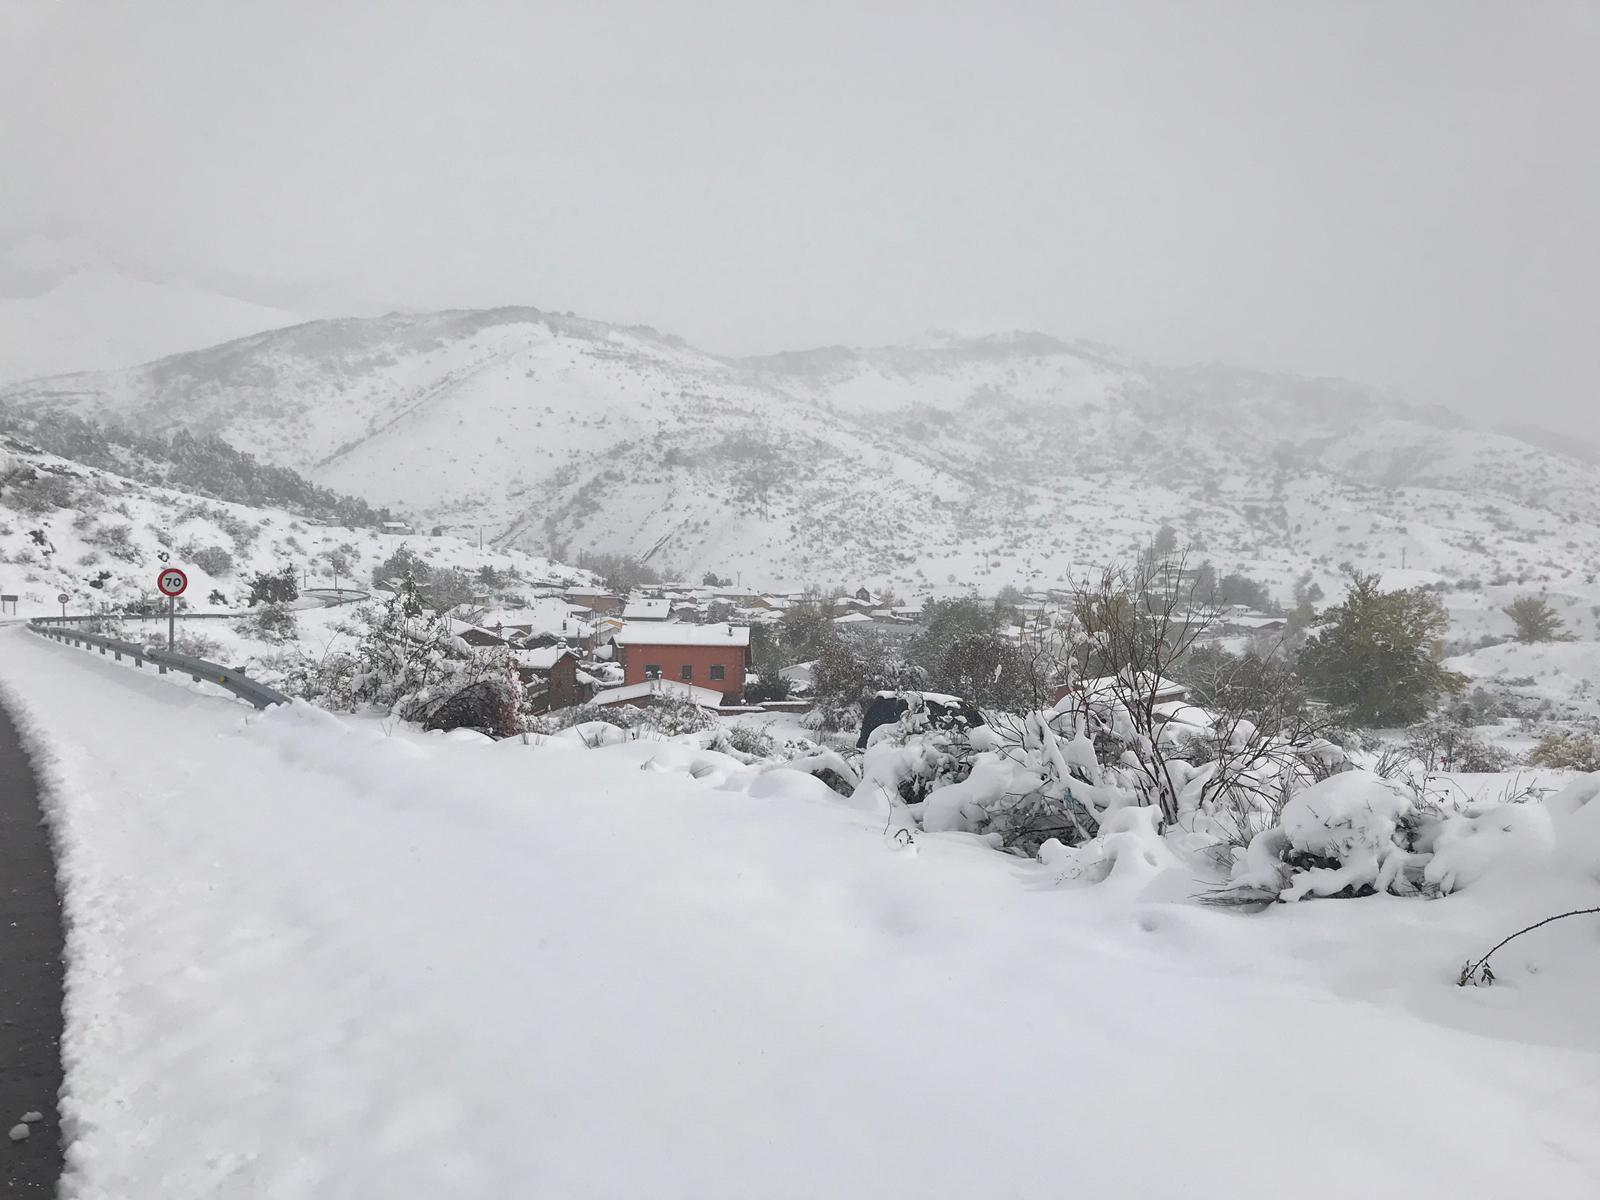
<point x="198" y="669"/>
<point x="139" y="616"/>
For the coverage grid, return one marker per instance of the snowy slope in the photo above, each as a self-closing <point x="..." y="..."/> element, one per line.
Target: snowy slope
<point x="380" y="966"/>
<point x="114" y="529"/>
<point x="1559" y="671"/>
<point x="949" y="464"/>
<point x="65" y="306"/>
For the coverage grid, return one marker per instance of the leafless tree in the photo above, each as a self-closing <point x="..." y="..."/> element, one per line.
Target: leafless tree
<point x="1138" y="622"/>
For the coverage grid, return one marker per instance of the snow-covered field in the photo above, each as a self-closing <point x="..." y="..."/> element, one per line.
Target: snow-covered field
<point x="313" y="956"/>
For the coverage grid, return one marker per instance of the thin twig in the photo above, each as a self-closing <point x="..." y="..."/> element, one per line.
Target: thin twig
<point x="1470" y="972"/>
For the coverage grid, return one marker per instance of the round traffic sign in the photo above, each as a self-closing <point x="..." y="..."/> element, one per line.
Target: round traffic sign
<point x="63" y="598"/>
<point x="172" y="581"/>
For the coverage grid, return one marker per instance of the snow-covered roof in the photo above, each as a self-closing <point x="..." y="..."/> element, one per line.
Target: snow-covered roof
<point x="549" y="617"/>
<point x="639" y="608"/>
<point x="1254" y="621"/>
<point x="1184" y="713"/>
<point x="458" y="627"/>
<point x="542" y="659"/>
<point x="931" y="697"/>
<point x="663" y="634"/>
<point x="694" y="694"/>
<point x="1107" y="683"/>
<point x="852" y="619"/>
<point x="799" y="672"/>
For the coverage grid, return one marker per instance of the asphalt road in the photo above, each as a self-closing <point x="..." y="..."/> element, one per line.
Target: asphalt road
<point x="30" y="979"/>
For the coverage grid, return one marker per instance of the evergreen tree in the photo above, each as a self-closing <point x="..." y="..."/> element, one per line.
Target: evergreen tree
<point x="1535" y="619"/>
<point x="274" y="587"/>
<point x="1372" y="658"/>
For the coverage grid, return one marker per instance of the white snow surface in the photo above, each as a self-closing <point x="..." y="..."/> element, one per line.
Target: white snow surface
<point x="307" y="959"/>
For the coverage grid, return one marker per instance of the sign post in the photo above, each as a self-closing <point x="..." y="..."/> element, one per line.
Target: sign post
<point x="171" y="584"/>
<point x="62" y="599"/>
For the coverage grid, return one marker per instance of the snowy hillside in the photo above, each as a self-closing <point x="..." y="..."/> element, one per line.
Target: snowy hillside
<point x="98" y="537"/>
<point x="948" y="464"/>
<point x="1559" y="671"/>
<point x="66" y="306"/>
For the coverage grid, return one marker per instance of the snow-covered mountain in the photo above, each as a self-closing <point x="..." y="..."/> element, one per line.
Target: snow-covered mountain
<point x="67" y="305"/>
<point x="953" y="463"/>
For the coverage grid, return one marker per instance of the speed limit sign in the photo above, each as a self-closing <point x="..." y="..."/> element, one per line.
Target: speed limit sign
<point x="172" y="582"/>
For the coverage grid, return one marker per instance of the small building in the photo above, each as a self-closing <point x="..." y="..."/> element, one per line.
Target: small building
<point x="474" y="635"/>
<point x="596" y="600"/>
<point x="711" y="656"/>
<point x="641" y="608"/>
<point x="541" y="622"/>
<point x="550" y="678"/>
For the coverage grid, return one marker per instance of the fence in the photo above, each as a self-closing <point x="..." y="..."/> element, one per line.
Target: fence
<point x="153" y="615"/>
<point x="198" y="669"/>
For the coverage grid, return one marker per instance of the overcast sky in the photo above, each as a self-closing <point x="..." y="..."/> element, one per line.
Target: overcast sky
<point x="1400" y="192"/>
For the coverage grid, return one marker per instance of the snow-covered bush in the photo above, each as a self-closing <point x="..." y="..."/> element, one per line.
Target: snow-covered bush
<point x="1240" y="786"/>
<point x="197" y="645"/>
<point x="213" y="560"/>
<point x="115" y="539"/>
<point x="279" y="587"/>
<point x="558" y="719"/>
<point x="748" y="740"/>
<point x="404" y="661"/>
<point x="1351" y="834"/>
<point x="41" y="492"/>
<point x="275" y="623"/>
<point x="663" y="717"/>
<point x="1567" y="752"/>
<point x="1022" y="782"/>
<point x="670" y="716"/>
<point x="1446" y="744"/>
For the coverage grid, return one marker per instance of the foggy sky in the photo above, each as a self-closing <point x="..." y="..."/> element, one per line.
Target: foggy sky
<point x="1399" y="192"/>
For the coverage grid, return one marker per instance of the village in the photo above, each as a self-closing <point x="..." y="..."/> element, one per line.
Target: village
<point x="581" y="646"/>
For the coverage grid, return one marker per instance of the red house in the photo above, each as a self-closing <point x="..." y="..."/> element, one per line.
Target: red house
<point x="708" y="656"/>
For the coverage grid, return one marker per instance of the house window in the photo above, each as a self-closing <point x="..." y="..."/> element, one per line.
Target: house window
<point x="686" y="672"/>
<point x="652" y="671"/>
<point x="718" y="671"/>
